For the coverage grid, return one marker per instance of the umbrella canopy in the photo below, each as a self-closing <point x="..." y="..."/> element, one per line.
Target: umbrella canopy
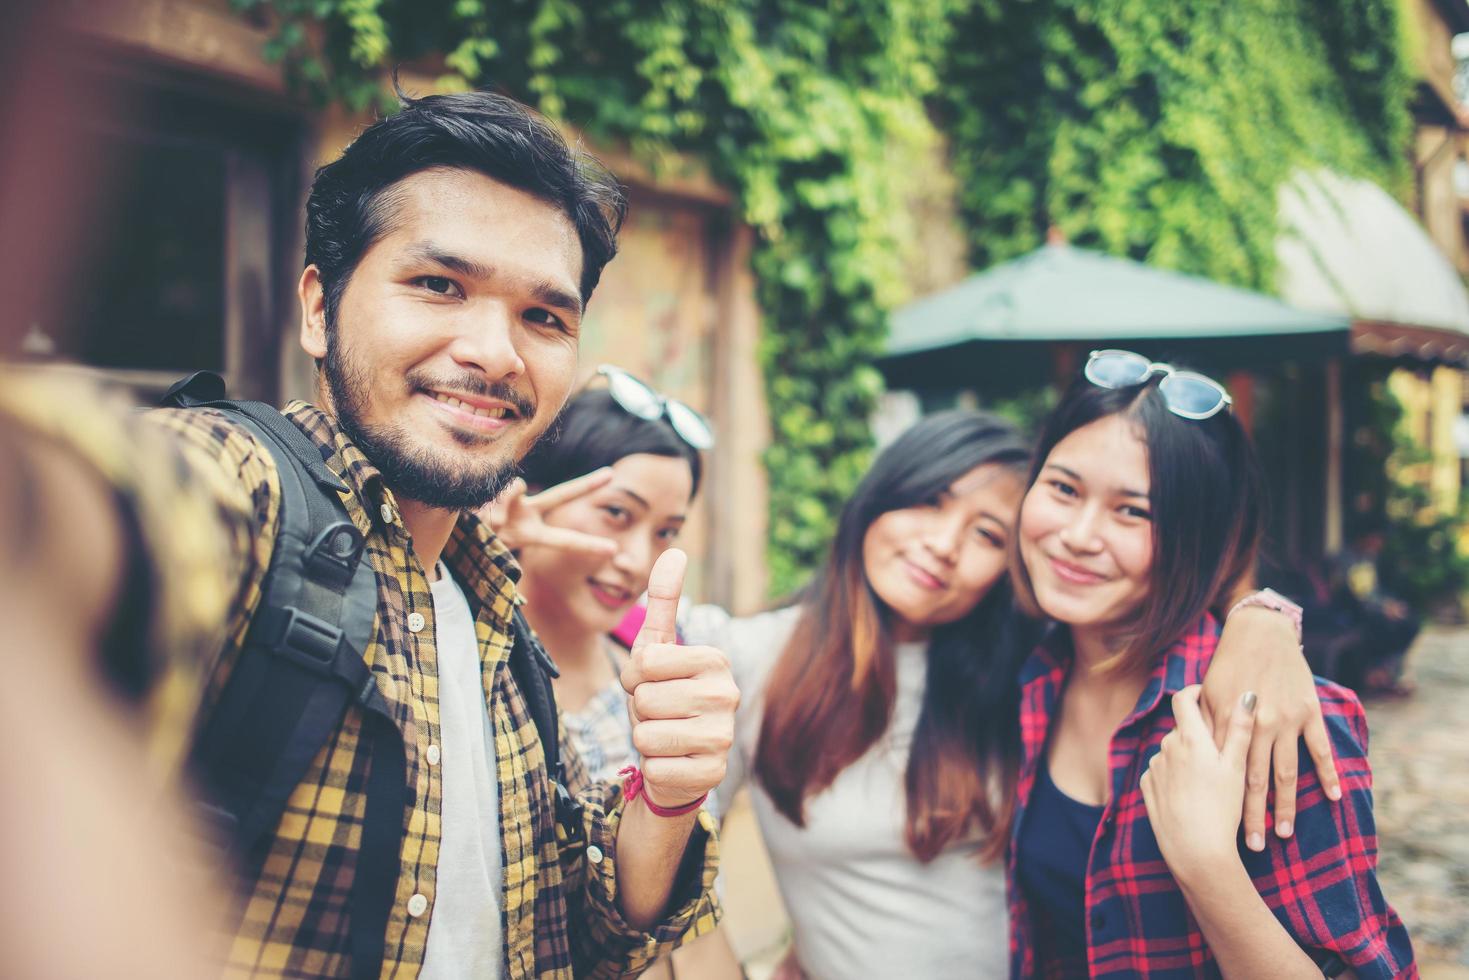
<point x="1065" y="293"/>
<point x="1059" y="293"/>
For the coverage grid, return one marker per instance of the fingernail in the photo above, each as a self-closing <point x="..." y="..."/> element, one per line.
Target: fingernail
<point x="1248" y="702"/>
<point x="1334" y="792"/>
<point x="1257" y="842"/>
<point x="1283" y="828"/>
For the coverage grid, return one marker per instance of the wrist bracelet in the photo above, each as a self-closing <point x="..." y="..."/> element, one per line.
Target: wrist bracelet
<point x="1270" y="599"/>
<point x="632" y="788"/>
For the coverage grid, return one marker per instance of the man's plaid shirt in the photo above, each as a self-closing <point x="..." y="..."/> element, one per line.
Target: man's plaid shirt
<point x="1320" y="883"/>
<point x="559" y="908"/>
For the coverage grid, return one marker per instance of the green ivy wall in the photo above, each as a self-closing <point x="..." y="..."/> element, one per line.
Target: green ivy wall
<point x="1158" y="129"/>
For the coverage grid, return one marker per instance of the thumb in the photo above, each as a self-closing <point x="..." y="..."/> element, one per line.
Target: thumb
<point x="665" y="586"/>
<point x="1241" y="727"/>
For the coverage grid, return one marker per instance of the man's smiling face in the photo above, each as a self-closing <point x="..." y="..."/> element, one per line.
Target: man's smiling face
<point x="455" y="342"/>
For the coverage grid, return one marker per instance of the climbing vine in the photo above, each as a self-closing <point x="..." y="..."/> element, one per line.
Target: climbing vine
<point x="803" y="109"/>
<point x="1164" y="131"/>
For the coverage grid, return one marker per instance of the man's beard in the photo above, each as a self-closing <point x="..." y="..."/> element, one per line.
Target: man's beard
<point x="416" y="472"/>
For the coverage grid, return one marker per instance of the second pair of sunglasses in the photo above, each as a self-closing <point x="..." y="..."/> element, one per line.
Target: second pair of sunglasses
<point x="1186" y="393"/>
<point x="638" y="399"/>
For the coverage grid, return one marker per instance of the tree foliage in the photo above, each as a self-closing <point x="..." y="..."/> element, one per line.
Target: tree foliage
<point x="1163" y="131"/>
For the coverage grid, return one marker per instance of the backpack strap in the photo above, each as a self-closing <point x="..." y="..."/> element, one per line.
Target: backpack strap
<point x="302" y="665"/>
<point x="532" y="669"/>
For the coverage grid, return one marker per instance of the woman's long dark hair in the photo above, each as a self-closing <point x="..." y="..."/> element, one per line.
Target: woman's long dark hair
<point x="830" y="696"/>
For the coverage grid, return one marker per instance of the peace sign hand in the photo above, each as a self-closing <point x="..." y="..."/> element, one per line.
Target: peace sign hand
<point x="519" y="520"/>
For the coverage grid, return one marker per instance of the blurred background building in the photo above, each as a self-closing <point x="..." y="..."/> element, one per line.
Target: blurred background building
<point x="1370" y="345"/>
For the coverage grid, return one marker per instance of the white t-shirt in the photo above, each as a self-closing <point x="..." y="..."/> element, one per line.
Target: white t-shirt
<point x="465" y="933"/>
<point x="861" y="904"/>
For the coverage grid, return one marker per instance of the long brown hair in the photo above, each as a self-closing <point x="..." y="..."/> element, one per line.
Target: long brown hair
<point x="830" y="695"/>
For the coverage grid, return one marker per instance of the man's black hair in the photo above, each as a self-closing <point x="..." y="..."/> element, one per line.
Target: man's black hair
<point x="351" y="201"/>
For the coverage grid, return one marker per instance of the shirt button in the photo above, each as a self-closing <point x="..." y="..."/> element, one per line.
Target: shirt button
<point x="417" y="905"/>
<point x="415" y="622"/>
<point x="433" y="755"/>
<point x="594" y="854"/>
<point x="386" y="511"/>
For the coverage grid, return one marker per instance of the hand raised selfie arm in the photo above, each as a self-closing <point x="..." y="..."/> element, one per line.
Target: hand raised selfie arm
<point x="658" y="891"/>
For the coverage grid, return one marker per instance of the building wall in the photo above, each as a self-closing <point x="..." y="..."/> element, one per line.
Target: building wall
<point x="1438" y="153"/>
<point x="1433" y="33"/>
<point x="1440" y="140"/>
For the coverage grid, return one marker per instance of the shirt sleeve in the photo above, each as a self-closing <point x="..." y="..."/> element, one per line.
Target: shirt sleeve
<point x="604" y="945"/>
<point x="1322" y="882"/>
<point x="190" y="509"/>
<point x="234" y="487"/>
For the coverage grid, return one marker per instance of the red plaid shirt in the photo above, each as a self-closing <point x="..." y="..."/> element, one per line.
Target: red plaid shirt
<point x="1320" y="883"/>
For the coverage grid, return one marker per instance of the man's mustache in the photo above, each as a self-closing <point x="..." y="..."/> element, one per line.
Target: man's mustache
<point x="470" y="384"/>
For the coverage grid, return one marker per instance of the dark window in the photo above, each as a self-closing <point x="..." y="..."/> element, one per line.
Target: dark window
<point x="189" y="243"/>
<point x="153" y="294"/>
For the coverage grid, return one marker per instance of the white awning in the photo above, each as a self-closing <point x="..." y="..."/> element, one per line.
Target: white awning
<point x="1347" y="246"/>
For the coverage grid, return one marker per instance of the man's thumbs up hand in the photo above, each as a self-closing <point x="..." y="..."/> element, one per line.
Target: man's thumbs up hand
<point x="681" y="699"/>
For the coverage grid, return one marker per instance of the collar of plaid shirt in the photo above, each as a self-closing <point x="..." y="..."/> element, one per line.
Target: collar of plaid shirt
<point x="1136" y="919"/>
<point x="295" y="923"/>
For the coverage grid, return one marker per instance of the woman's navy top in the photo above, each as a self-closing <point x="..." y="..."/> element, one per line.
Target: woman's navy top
<point x="1055" y="844"/>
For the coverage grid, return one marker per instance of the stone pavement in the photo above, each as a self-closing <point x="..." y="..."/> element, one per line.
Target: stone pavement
<point x="1421" y="771"/>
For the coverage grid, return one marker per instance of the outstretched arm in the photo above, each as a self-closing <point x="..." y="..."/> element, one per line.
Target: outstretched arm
<point x="682" y="701"/>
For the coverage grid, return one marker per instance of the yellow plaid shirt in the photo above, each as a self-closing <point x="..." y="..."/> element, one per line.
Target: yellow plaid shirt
<point x="210" y="481"/>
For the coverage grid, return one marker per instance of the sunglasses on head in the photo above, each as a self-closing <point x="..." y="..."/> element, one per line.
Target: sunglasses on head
<point x="636" y="398"/>
<point x="1186" y="393"/>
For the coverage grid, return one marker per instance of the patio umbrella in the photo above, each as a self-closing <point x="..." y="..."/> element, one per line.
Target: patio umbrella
<point x="995" y="327"/>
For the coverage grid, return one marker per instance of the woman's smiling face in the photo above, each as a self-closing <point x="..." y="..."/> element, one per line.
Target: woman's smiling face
<point x="641" y="510"/>
<point x="1086" y="531"/>
<point x="931" y="564"/>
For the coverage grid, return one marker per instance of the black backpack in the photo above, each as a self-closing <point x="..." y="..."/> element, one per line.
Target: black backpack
<point x="303" y="664"/>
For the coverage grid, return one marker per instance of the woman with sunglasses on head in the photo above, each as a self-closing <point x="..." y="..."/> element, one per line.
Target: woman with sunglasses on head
<point x="879" y="729"/>
<point x="601" y="498"/>
<point x="1143" y="508"/>
<point x="609" y="491"/>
